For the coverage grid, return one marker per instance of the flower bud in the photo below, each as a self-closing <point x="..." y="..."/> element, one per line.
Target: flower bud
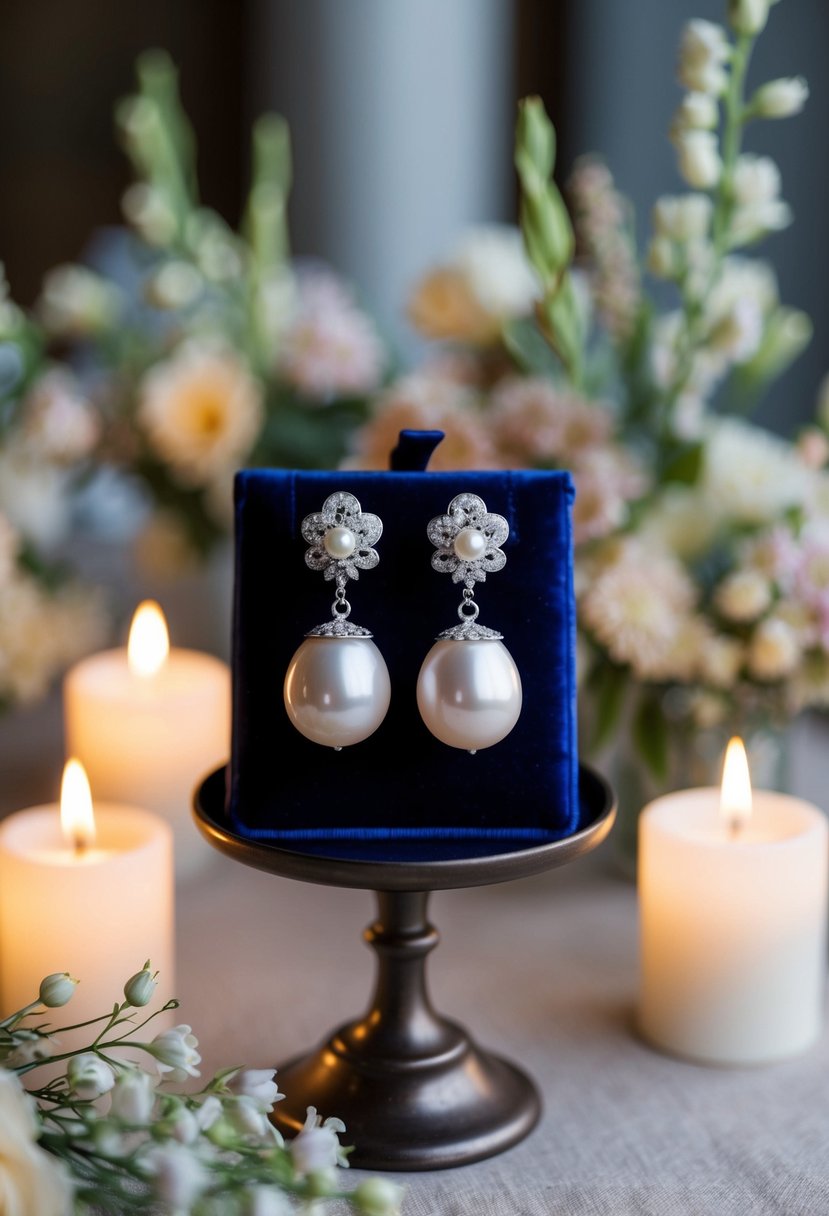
<point x="703" y="51"/>
<point x="683" y="218"/>
<point x="257" y="1084"/>
<point x="661" y="261"/>
<point x="748" y="16"/>
<point x="139" y="989"/>
<point x="175" y="1051"/>
<point x="89" y="1076"/>
<point x="699" y="159"/>
<point x="696" y="112"/>
<point x="133" y="1097"/>
<point x="780" y="98"/>
<point x="378" y="1197"/>
<point x="57" y="989"/>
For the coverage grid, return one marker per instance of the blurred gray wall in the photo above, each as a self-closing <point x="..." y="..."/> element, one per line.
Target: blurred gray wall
<point x="401" y="113"/>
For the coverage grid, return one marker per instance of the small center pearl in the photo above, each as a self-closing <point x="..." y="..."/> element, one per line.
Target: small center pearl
<point x="470" y="544"/>
<point x="340" y="543"/>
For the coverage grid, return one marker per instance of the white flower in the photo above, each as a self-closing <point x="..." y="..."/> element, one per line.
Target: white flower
<point x="201" y="410"/>
<point x="208" y="1112"/>
<point x="703" y="51"/>
<point x="492" y="259"/>
<point x="759" y="209"/>
<point x="743" y="596"/>
<point x="781" y="98"/>
<point x="699" y="159"/>
<point x="750" y="475"/>
<point x="661" y="258"/>
<point x="133" y="1097"/>
<point x="696" y="112"/>
<point x="737" y="334"/>
<point x="182" y="1124"/>
<point x="748" y="16"/>
<point x="267" y="1201"/>
<point x="685" y="217"/>
<point x="378" y="1197"/>
<point x="57" y="989"/>
<point x="247" y="1117"/>
<point x="638" y="606"/>
<point x="77" y="303"/>
<point x="257" y="1084"/>
<point x="33" y="495"/>
<point x="30" y="1048"/>
<point x="32" y="1182"/>
<point x="175" y="1053"/>
<point x="679" y="522"/>
<point x="89" y="1076"/>
<point x="179" y="1178"/>
<point x="485" y="283"/>
<point x="316" y="1149"/>
<point x="774" y="651"/>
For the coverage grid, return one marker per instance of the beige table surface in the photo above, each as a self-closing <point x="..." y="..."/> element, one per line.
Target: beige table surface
<point x="544" y="970"/>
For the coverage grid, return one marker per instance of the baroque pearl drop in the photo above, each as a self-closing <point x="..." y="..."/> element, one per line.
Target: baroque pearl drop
<point x="339" y="543"/>
<point x="337" y="690"/>
<point x="470" y="544"/>
<point x="469" y="693"/>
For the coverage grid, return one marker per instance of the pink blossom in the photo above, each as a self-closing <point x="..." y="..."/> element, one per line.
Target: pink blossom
<point x="331" y="348"/>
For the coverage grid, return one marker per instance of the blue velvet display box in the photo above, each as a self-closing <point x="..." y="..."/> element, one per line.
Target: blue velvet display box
<point x="401" y="794"/>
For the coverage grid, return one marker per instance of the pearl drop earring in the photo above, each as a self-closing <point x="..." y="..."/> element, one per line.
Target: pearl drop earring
<point x="337" y="687"/>
<point x="469" y="690"/>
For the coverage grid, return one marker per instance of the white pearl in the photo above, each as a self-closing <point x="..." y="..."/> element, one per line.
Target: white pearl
<point x="337" y="690"/>
<point x="339" y="543"/>
<point x="470" y="544"/>
<point x="469" y="693"/>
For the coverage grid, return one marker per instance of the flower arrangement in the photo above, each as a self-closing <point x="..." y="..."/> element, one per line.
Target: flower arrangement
<point x="702" y="539"/>
<point x="108" y="1135"/>
<point x="209" y="349"/>
<point x="47" y="432"/>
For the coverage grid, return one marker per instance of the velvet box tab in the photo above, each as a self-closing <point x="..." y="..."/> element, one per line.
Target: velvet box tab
<point x="401" y="793"/>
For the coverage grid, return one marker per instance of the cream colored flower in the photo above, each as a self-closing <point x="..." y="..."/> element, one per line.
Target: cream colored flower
<point x="699" y="159"/>
<point x="59" y="424"/>
<point x="759" y="208"/>
<point x="781" y="98"/>
<point x="743" y="596"/>
<point x="696" y="112"/>
<point x="750" y="475"/>
<point x="487" y="282"/>
<point x="679" y="522"/>
<point x="639" y="607"/>
<point x="32" y="1182"/>
<point x="703" y="52"/>
<point x="202" y="411"/>
<point x="774" y="651"/>
<point x="748" y="16"/>
<point x="685" y="217"/>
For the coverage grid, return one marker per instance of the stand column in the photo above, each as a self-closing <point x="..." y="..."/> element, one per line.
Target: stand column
<point x="413" y="1089"/>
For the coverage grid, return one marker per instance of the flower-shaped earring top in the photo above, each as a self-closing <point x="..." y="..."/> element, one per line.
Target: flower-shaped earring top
<point x="341" y="536"/>
<point x="467" y="539"/>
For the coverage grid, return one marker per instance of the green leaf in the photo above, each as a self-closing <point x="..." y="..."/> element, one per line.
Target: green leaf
<point x="529" y="348"/>
<point x="650" y="735"/>
<point x="685" y="464"/>
<point x="606" y="687"/>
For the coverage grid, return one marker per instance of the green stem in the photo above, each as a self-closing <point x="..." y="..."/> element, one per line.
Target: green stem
<point x="733" y="124"/>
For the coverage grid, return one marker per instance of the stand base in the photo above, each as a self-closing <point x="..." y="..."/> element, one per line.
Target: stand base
<point x="425" y="1113"/>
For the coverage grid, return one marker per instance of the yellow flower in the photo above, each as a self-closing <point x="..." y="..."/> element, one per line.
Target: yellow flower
<point x="201" y="411"/>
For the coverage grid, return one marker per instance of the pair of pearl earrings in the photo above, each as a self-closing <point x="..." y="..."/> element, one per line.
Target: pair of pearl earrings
<point x="337" y="688"/>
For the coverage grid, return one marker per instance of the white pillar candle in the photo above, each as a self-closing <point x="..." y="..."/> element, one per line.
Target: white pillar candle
<point x="98" y="911"/>
<point x="148" y="723"/>
<point x="733" y="925"/>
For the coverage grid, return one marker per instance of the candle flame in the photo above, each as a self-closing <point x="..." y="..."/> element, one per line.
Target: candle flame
<point x="735" y="794"/>
<point x="77" y="818"/>
<point x="149" y="642"/>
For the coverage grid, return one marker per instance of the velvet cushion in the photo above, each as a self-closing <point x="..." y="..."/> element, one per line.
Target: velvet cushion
<point x="401" y="791"/>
